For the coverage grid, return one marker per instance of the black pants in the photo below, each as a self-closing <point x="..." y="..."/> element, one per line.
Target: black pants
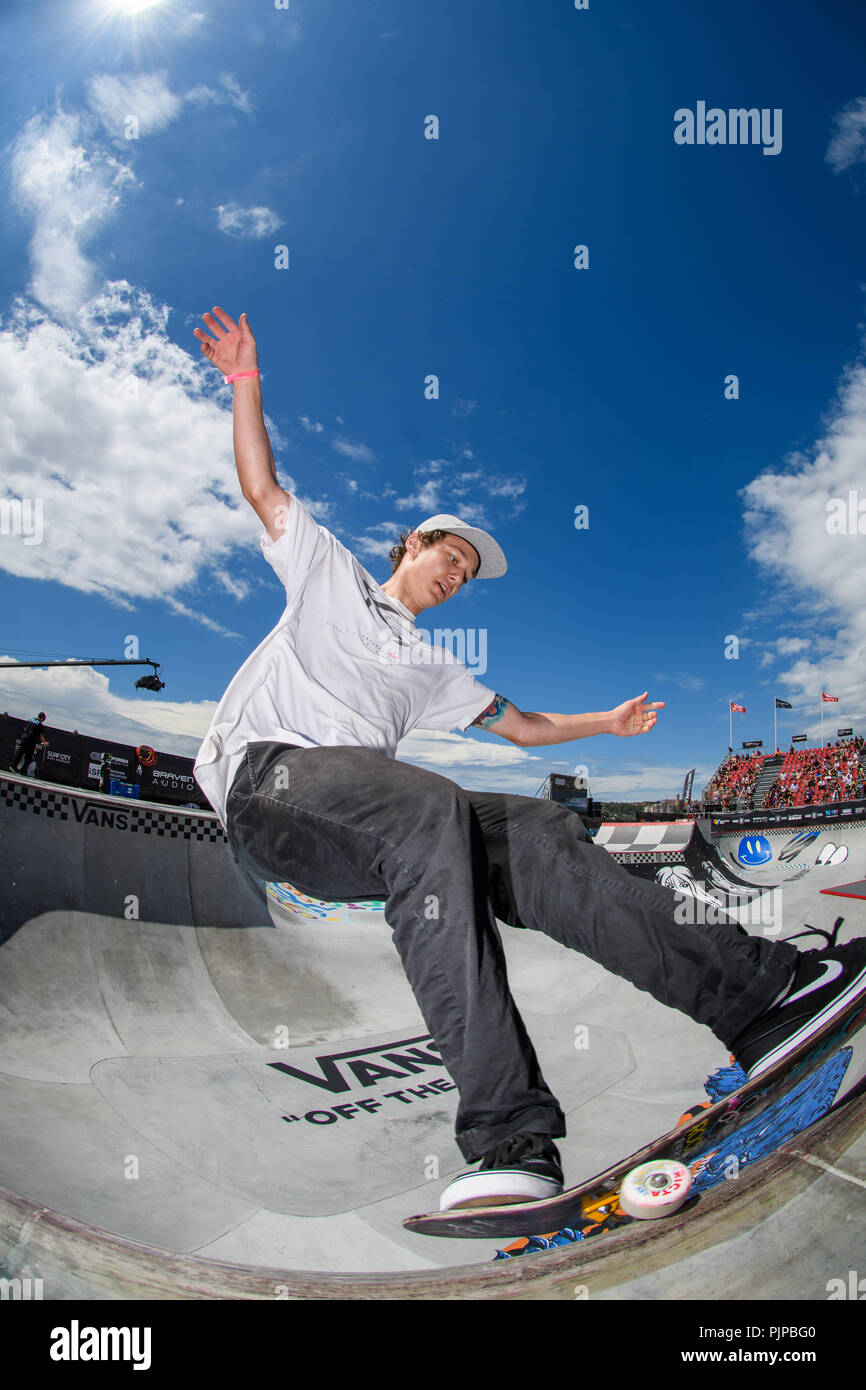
<point x="342" y="822"/>
<point x="23" y="755"/>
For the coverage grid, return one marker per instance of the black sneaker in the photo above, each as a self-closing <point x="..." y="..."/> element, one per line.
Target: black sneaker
<point x="824" y="984"/>
<point x="523" y="1168"/>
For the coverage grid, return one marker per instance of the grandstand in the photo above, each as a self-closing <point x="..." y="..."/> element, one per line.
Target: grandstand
<point x="800" y="777"/>
<point x="810" y="776"/>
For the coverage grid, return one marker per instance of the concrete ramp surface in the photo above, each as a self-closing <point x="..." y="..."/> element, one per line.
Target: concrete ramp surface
<point x="197" y="1075"/>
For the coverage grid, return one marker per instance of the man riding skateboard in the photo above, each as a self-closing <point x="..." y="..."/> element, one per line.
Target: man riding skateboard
<point x="300" y="764"/>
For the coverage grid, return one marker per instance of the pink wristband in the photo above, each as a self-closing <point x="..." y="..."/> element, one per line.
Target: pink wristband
<point x="237" y="375"/>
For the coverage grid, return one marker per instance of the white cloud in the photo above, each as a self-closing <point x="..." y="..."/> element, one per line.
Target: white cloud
<point x="848" y="145"/>
<point x="190" y="23"/>
<point x="79" y="697"/>
<point x="228" y="93"/>
<point x="496" y="765"/>
<point x="486" y="765"/>
<point x="143" y="97"/>
<point x="453" y="749"/>
<point x="129" y="454"/>
<point x="646" y="783"/>
<point x="821" y="575"/>
<point x="310" y="426"/>
<point x="70" y="192"/>
<point x="146" y="98"/>
<point x="378" y="547"/>
<point x="505" y="487"/>
<point x="246" y="223"/>
<point x="105" y="425"/>
<point x="439" y="489"/>
<point x="683" y="679"/>
<point x="424" y="499"/>
<point x="359" y="452"/>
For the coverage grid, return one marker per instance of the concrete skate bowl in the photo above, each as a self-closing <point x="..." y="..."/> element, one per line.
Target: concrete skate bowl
<point x="213" y="1094"/>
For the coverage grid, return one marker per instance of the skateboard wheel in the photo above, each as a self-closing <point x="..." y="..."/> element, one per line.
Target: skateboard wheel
<point x="655" y="1189"/>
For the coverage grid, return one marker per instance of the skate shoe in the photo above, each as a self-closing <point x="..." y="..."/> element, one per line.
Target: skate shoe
<point x="523" y="1168"/>
<point x="824" y="983"/>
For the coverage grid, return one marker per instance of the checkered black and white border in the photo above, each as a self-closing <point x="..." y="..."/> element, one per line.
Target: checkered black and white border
<point x="644" y="835"/>
<point x="43" y="801"/>
<point x="632" y="856"/>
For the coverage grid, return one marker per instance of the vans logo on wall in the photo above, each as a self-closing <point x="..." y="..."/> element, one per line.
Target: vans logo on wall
<point x="334" y="1065"/>
<point x="89" y="815"/>
<point x="737" y="126"/>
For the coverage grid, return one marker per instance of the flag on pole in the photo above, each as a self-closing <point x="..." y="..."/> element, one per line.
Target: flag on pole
<point x="829" y="699"/>
<point x="783" y="704"/>
<point x="737" y="709"/>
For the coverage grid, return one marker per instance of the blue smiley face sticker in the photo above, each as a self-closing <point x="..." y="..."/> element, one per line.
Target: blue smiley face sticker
<point x="754" y="849"/>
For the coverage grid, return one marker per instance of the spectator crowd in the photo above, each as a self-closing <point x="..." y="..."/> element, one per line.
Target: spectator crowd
<point x="807" y="777"/>
<point x="735" y="779"/>
<point x="813" y="776"/>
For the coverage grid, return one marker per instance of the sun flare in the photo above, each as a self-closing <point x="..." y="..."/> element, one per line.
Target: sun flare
<point x="131" y="7"/>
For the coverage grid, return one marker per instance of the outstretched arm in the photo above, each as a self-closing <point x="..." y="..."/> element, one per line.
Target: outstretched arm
<point x="233" y="349"/>
<point x="531" y="730"/>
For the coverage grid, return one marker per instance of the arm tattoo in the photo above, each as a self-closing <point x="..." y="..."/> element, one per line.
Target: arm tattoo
<point x="494" y="711"/>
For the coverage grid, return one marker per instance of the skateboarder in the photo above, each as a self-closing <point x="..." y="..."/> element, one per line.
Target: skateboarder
<point x="299" y="762"/>
<point x="25" y="745"/>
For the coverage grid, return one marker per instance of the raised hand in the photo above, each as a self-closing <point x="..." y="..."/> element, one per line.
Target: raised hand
<point x="634" y="716"/>
<point x="232" y="347"/>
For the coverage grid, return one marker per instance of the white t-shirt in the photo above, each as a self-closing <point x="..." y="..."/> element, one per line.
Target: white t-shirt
<point x="344" y="665"/>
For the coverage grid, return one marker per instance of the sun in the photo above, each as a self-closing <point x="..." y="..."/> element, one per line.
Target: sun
<point x="131" y="7"/>
<point x="144" y="24"/>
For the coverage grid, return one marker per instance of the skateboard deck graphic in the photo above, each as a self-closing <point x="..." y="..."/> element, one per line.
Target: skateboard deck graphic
<point x="714" y="1142"/>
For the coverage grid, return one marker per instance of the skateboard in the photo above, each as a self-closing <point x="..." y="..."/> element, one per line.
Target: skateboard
<point x="710" y="1144"/>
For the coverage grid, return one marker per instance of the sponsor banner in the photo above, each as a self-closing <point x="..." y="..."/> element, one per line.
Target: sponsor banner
<point x="92" y="754"/>
<point x="58" y="762"/>
<point x="799" y="738"/>
<point x="785" y="815"/>
<point x="74" y="760"/>
<point x="169" y="779"/>
<point x="754" y="743"/>
<point x="688" y="783"/>
<point x="163" y="778"/>
<point x="844" y="733"/>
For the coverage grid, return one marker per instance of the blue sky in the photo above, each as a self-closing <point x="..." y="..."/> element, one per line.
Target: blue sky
<point x="155" y="163"/>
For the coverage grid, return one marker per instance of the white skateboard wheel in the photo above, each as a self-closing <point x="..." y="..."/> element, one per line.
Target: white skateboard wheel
<point x="655" y="1189"/>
